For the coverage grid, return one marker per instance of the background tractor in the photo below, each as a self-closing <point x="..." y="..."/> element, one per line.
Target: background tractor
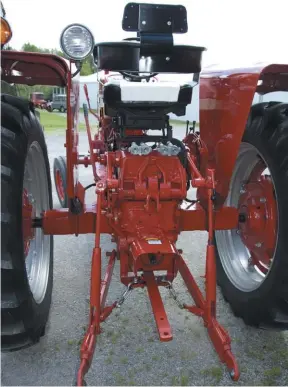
<point x="38" y="100"/>
<point x="141" y="173"/>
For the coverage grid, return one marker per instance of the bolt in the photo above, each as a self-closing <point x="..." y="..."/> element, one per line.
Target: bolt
<point x="144" y="22"/>
<point x="242" y="191"/>
<point x="167" y="58"/>
<point x="31" y="198"/>
<point x="169" y="23"/>
<point x="258" y="244"/>
<point x="262" y="200"/>
<point x="238" y="232"/>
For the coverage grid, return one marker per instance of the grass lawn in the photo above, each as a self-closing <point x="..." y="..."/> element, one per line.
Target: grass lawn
<point x="54" y="121"/>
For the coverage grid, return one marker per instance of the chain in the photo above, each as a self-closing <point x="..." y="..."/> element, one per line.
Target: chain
<point x="124" y="295"/>
<point x="174" y="294"/>
<point x="169" y="287"/>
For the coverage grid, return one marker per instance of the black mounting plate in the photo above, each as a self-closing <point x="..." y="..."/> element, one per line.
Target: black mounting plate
<point x="155" y="18"/>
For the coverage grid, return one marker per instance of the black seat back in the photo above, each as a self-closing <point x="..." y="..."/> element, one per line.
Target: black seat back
<point x="153" y="50"/>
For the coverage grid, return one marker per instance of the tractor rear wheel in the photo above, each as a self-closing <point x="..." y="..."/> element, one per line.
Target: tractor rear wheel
<point x="252" y="264"/>
<point x="26" y="253"/>
<point x="59" y="169"/>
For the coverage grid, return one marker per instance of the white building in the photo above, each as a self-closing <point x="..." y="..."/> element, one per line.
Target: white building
<point x="92" y="86"/>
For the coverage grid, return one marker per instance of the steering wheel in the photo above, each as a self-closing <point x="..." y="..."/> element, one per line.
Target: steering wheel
<point x="137" y="77"/>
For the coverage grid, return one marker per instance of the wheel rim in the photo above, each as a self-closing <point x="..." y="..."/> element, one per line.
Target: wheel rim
<point x="59" y="185"/>
<point x="247" y="254"/>
<point x="35" y="200"/>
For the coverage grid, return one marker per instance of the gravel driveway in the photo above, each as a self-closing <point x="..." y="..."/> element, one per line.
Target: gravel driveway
<point x="128" y="351"/>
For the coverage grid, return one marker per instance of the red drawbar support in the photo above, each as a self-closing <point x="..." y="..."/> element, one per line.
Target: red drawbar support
<point x="107" y="278"/>
<point x="217" y="333"/>
<point x="89" y="341"/>
<point x="98" y="294"/>
<point x="160" y="316"/>
<point x="207" y="310"/>
<point x="190" y="283"/>
<point x="222" y="344"/>
<point x="205" y="305"/>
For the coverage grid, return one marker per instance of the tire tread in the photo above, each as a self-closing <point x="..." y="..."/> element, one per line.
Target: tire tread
<point x="270" y="122"/>
<point x="17" y="121"/>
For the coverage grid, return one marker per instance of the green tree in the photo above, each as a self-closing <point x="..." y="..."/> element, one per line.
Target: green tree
<point x="28" y="47"/>
<point x="87" y="66"/>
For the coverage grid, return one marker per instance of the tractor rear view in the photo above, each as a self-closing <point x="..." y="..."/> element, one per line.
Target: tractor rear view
<point x="141" y="174"/>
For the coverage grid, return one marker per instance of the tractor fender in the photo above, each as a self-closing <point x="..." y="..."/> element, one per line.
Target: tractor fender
<point x="50" y="70"/>
<point x="225" y="99"/>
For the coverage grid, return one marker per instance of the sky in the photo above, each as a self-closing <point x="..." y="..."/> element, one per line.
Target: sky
<point x="233" y="31"/>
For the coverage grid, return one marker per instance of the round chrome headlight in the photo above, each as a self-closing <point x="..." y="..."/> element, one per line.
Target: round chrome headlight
<point x="77" y="41"/>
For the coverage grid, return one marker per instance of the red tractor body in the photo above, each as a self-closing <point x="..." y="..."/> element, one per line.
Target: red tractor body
<point x="226" y="97"/>
<point x="141" y="189"/>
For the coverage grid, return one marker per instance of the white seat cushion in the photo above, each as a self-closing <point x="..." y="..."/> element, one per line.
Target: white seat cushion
<point x="147" y="92"/>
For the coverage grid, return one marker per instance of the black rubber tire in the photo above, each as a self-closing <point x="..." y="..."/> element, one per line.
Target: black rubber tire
<point x="23" y="321"/>
<point x="60" y="164"/>
<point x="267" y="306"/>
<point x="62" y="109"/>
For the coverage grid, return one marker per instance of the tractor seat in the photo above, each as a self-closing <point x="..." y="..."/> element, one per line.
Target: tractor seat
<point x="121" y="93"/>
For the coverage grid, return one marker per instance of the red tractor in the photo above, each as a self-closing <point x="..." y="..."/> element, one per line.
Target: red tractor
<point x="141" y="174"/>
<point x="38" y="100"/>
